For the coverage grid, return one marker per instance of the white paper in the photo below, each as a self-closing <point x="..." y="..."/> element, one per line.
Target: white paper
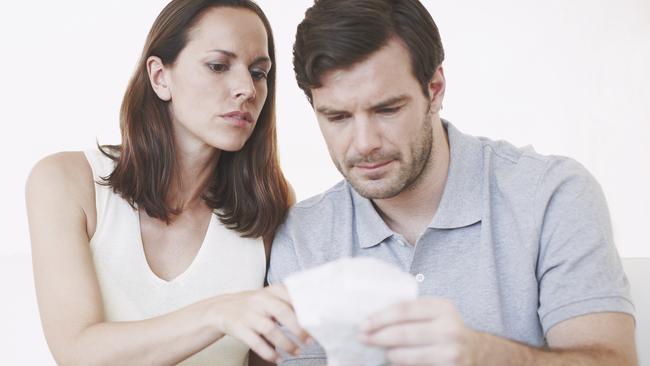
<point x="333" y="299"/>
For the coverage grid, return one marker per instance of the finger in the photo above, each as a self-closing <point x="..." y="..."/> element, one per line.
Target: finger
<point x="256" y="343"/>
<point x="274" y="335"/>
<point x="402" y="335"/>
<point x="411" y="311"/>
<point x="279" y="292"/>
<point x="283" y="314"/>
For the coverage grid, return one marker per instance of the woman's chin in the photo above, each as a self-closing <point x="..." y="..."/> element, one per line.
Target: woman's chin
<point x="230" y="146"/>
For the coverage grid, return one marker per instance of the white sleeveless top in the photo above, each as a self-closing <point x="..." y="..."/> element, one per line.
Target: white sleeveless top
<point x="225" y="263"/>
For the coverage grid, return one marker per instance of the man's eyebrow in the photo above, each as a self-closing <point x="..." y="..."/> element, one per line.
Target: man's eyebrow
<point x="329" y="111"/>
<point x="230" y="54"/>
<point x="383" y="104"/>
<point x="391" y="101"/>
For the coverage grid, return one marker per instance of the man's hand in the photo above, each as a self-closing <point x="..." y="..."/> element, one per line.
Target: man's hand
<point x="430" y="331"/>
<point x="426" y="331"/>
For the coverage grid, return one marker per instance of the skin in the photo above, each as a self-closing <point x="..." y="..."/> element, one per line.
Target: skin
<point x="370" y="115"/>
<point x="201" y="86"/>
<point x="383" y="136"/>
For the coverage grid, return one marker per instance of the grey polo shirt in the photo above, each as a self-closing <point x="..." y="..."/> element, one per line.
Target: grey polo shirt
<point x="519" y="243"/>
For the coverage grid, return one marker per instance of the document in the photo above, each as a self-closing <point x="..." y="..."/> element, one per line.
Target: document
<point x="332" y="300"/>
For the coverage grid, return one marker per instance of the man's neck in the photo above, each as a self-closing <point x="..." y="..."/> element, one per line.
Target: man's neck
<point x="411" y="211"/>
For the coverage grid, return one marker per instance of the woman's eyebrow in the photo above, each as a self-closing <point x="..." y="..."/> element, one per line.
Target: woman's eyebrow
<point x="230" y="54"/>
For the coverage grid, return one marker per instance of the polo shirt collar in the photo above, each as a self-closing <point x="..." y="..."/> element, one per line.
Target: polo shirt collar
<point x="461" y="201"/>
<point x="371" y="228"/>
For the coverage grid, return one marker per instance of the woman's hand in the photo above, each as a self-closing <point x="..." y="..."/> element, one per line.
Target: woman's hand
<point x="255" y="317"/>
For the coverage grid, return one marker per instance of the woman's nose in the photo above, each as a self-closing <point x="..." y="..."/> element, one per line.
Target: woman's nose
<point x="243" y="85"/>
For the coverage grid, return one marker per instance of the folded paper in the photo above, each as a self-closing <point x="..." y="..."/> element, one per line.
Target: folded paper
<point x="332" y="300"/>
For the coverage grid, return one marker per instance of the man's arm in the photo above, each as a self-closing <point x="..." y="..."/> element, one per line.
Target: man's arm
<point x="594" y="339"/>
<point x="431" y="332"/>
<point x="285" y="261"/>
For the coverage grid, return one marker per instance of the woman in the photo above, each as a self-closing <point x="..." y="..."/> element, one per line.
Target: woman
<point x="151" y="252"/>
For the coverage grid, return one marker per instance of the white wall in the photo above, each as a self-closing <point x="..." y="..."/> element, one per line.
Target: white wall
<point x="570" y="78"/>
<point x="638" y="272"/>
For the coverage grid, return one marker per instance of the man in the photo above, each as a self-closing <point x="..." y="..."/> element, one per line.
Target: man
<point x="513" y="250"/>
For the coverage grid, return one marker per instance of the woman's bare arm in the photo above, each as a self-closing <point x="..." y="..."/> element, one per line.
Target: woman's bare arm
<point x="60" y="195"/>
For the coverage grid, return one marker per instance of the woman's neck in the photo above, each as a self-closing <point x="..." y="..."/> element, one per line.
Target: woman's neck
<point x="194" y="169"/>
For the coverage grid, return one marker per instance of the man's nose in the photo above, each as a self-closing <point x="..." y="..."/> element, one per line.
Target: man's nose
<point x="367" y="136"/>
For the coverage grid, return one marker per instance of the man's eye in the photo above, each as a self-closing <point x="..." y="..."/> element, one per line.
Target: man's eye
<point x="218" y="67"/>
<point x="258" y="75"/>
<point x="389" y="111"/>
<point x="336" y="118"/>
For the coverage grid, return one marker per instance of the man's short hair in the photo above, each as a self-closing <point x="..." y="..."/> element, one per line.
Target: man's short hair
<point x="337" y="34"/>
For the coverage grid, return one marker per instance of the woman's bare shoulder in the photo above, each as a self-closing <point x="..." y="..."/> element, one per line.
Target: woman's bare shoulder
<point x="64" y="173"/>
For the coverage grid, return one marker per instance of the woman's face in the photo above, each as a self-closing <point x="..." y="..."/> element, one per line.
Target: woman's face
<point x="217" y="86"/>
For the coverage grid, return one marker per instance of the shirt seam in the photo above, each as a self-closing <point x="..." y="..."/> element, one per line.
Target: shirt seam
<point x="500" y="154"/>
<point x="323" y="196"/>
<point x="588" y="299"/>
<point x="539" y="222"/>
<point x="512" y="159"/>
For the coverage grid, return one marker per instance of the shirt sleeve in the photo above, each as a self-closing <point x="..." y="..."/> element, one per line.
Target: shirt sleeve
<point x="579" y="270"/>
<point x="304" y="361"/>
<point x="284" y="261"/>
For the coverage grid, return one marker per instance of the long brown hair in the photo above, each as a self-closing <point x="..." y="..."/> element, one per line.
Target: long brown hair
<point x="247" y="190"/>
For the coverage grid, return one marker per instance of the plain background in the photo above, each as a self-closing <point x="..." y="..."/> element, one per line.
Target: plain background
<point x="570" y="78"/>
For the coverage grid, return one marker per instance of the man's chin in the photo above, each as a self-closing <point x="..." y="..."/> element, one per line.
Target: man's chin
<point x="375" y="189"/>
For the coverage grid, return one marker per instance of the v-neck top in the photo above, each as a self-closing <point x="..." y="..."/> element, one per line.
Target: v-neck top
<point x="131" y="291"/>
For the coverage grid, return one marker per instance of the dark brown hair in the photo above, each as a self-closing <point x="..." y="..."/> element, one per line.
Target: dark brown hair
<point x="337" y="34"/>
<point x="247" y="189"/>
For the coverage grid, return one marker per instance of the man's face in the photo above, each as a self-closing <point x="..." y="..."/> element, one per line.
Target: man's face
<point x="377" y="122"/>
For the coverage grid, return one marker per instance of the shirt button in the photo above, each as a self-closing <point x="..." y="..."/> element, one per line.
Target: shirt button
<point x="419" y="277"/>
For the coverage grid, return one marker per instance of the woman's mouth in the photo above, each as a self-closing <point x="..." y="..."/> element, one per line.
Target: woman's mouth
<point x="239" y="118"/>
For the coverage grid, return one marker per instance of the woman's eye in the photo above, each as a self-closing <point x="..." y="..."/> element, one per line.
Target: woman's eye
<point x="258" y="75"/>
<point x="218" y="67"/>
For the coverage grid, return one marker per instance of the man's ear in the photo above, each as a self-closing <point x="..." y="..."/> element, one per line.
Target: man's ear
<point x="156" y="71"/>
<point x="437" y="89"/>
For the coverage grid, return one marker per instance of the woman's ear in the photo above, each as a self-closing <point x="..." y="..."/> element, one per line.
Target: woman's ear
<point x="157" y="75"/>
<point x="437" y="89"/>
